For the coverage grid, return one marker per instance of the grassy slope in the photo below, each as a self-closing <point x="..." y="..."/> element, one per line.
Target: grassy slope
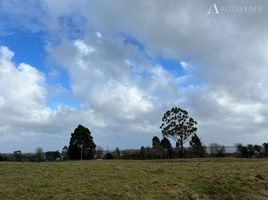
<point x="228" y="178"/>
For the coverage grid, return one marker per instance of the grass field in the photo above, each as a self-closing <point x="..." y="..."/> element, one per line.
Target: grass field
<point x="228" y="178"/>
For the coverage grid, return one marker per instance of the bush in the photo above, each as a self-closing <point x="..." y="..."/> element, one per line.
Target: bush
<point x="216" y="150"/>
<point x="108" y="156"/>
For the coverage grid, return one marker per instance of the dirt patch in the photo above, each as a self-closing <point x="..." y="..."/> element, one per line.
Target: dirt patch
<point x="259" y="195"/>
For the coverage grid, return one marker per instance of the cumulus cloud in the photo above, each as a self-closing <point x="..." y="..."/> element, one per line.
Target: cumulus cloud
<point x="119" y="83"/>
<point x="22" y="89"/>
<point x="24" y="112"/>
<point x="22" y="95"/>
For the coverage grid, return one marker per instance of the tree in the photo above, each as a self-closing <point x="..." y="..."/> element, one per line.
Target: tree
<point x="155" y="141"/>
<point x="109" y="156"/>
<point x="64" y="153"/>
<point x="142" y="152"/>
<point x="81" y="144"/>
<point x="117" y="153"/>
<point x="242" y="151"/>
<point x="196" y="146"/>
<point x="251" y="150"/>
<point x="18" y="155"/>
<point x="265" y="148"/>
<point x="145" y="153"/>
<point x="39" y="154"/>
<point x="165" y="143"/>
<point x="179" y="126"/>
<point x="52" y="155"/>
<point x="216" y="150"/>
<point x="258" y="150"/>
<point x="157" y="150"/>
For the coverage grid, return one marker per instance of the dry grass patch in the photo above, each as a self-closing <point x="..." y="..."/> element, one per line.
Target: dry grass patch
<point x="227" y="178"/>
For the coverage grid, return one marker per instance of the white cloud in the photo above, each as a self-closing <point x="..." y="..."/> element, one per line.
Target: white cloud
<point x="185" y="65"/>
<point x="22" y="89"/>
<point x="24" y="114"/>
<point x="110" y="86"/>
<point x="83" y="48"/>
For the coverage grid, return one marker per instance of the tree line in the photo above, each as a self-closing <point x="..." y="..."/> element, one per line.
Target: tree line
<point x="176" y="124"/>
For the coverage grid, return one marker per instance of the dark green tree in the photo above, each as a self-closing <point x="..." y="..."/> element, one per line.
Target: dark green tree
<point x="145" y="153"/>
<point x="52" y="155"/>
<point x="109" y="156"/>
<point x="155" y="141"/>
<point x="157" y="150"/>
<point x="242" y="151"/>
<point x="18" y="155"/>
<point x="196" y="146"/>
<point x="165" y="143"/>
<point x="179" y="126"/>
<point x="251" y="150"/>
<point x="142" y="152"/>
<point x="258" y="149"/>
<point x="81" y="144"/>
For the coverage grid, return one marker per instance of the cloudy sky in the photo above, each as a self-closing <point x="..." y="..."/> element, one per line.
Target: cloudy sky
<point x="117" y="66"/>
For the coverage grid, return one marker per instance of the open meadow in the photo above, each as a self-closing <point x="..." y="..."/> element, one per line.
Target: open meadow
<point x="208" y="178"/>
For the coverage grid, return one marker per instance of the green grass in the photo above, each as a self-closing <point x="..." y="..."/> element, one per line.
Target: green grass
<point x="228" y="178"/>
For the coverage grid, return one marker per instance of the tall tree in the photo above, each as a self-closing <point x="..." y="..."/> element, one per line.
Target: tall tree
<point x="165" y="143"/>
<point x="81" y="144"/>
<point x="157" y="150"/>
<point x="196" y="146"/>
<point x="179" y="126"/>
<point x="155" y="141"/>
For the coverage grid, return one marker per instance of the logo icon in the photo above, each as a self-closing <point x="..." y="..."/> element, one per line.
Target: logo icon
<point x="213" y="10"/>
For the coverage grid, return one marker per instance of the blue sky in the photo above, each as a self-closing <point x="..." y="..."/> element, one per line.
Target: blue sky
<point x="116" y="68"/>
<point x="29" y="47"/>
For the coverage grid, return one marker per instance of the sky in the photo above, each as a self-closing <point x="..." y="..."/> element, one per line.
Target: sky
<point x="117" y="66"/>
